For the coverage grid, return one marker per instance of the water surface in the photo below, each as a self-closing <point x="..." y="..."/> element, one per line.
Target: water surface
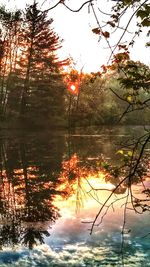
<point x="49" y="198"/>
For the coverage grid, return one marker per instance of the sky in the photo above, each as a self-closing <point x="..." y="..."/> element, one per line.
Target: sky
<point x="87" y="51"/>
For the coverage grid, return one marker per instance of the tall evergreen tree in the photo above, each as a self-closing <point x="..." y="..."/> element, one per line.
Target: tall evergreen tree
<point x="31" y="85"/>
<point x="42" y="92"/>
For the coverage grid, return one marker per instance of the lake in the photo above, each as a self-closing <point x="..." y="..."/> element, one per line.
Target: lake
<point x="52" y="187"/>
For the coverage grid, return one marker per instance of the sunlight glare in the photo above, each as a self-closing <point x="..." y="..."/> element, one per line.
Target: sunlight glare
<point x="84" y="188"/>
<point x="72" y="87"/>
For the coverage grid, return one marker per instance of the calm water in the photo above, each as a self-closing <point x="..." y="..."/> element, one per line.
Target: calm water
<point x="47" y="201"/>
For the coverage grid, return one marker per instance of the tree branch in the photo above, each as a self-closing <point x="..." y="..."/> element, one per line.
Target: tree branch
<point x="129" y="176"/>
<point x="72" y="10"/>
<point x="129" y="21"/>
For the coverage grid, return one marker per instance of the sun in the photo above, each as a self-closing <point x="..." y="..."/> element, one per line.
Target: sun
<point x="72" y="87"/>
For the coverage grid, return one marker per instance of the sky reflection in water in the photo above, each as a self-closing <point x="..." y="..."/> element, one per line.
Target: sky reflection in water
<point x="66" y="216"/>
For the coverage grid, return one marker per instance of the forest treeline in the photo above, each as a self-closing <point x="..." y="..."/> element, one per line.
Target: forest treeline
<point x="33" y="87"/>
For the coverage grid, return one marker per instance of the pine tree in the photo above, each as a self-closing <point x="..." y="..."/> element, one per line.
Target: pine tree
<point x="31" y="85"/>
<point x="42" y="92"/>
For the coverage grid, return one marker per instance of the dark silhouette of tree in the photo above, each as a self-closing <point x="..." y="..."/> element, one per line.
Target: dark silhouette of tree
<point x="10" y="34"/>
<point x="27" y="190"/>
<point x="42" y="93"/>
<point x="30" y="67"/>
<point x="32" y="237"/>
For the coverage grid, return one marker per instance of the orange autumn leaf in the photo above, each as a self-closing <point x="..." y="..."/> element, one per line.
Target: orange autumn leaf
<point x="106" y="34"/>
<point x="96" y="30"/>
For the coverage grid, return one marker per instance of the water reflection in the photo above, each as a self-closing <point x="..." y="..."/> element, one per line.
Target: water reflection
<point x="28" y="185"/>
<point x="51" y="187"/>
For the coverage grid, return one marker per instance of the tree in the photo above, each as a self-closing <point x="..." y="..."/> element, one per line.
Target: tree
<point x="10" y="34"/>
<point x="42" y="93"/>
<point x="28" y="188"/>
<point x="30" y="68"/>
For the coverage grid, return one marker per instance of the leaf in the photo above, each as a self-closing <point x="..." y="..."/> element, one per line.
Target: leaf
<point x="142" y="14"/>
<point x="129" y="98"/>
<point x="105" y="165"/>
<point x="120" y="152"/>
<point x="111" y="23"/>
<point x="106" y="34"/>
<point x="146" y="22"/>
<point x="122" y="47"/>
<point x="119" y="57"/>
<point x="115" y="17"/>
<point x="104" y="68"/>
<point x="148" y="44"/>
<point x="127" y="2"/>
<point x="96" y="30"/>
<point x="130" y="153"/>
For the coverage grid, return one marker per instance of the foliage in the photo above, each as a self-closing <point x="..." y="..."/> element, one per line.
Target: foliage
<point x="30" y="68"/>
<point x="29" y="184"/>
<point x="104" y="96"/>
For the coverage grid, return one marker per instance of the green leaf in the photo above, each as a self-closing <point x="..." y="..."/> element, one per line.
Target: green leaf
<point x="129" y="98"/>
<point x="120" y="152"/>
<point x="146" y="22"/>
<point x="105" y="165"/>
<point x="142" y="14"/>
<point x="127" y="2"/>
<point x="130" y="153"/>
<point x="148" y="44"/>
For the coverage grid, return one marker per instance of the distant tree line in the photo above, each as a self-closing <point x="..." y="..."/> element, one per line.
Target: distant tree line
<point x="107" y="96"/>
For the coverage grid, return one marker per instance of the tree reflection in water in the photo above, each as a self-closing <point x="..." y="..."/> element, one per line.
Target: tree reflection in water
<point x="36" y="176"/>
<point x="28" y="185"/>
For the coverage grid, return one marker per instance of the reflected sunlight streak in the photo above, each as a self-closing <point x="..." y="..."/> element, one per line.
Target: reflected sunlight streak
<point x="86" y="188"/>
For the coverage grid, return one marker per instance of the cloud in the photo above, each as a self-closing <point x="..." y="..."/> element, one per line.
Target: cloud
<point x="76" y="255"/>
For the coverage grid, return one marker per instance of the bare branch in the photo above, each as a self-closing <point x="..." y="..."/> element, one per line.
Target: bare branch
<point x="72" y="10"/>
<point x="126" y="28"/>
<point x="131" y="174"/>
<point x="107" y="14"/>
<point x="121" y="98"/>
<point x="124" y="113"/>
